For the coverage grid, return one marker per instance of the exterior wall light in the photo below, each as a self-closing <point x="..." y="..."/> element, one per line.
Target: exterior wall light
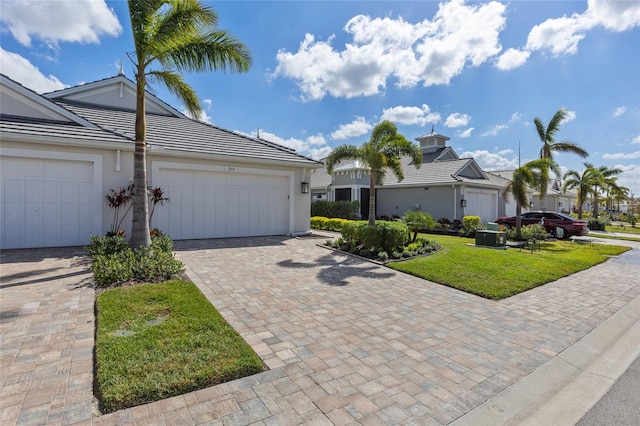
<point x="463" y="203"/>
<point x="305" y="187"/>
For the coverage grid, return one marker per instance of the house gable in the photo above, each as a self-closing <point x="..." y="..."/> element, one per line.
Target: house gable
<point x="471" y="170"/>
<point x="19" y="102"/>
<point x="115" y="92"/>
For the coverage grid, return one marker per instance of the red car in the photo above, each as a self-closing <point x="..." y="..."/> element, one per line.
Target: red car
<point x="558" y="224"/>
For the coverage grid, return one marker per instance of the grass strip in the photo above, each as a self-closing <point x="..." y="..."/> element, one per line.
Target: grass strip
<point x="496" y="274"/>
<point x="624" y="229"/>
<point x="154" y="341"/>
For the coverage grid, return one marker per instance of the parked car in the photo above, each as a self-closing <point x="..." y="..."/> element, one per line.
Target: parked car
<point x="557" y="224"/>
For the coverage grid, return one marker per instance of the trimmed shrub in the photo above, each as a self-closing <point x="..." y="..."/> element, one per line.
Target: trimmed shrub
<point x="114" y="262"/>
<point x="106" y="245"/>
<point x="599" y="224"/>
<point x="471" y="222"/>
<point x="335" y="209"/>
<point x="536" y="232"/>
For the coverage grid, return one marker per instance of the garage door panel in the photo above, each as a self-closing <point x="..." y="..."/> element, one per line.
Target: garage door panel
<point x="51" y="214"/>
<point x="224" y="204"/>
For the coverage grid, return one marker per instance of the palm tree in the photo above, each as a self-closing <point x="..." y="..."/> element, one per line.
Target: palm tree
<point x="177" y="36"/>
<point x="550" y="145"/>
<point x="528" y="175"/>
<point x="583" y="182"/>
<point x="381" y="152"/>
<point x="601" y="178"/>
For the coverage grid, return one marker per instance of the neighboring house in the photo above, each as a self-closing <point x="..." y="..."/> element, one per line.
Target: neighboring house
<point x="63" y="151"/>
<point x="555" y="200"/>
<point x="445" y="186"/>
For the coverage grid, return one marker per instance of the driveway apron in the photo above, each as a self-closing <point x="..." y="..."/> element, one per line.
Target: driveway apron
<point x="346" y="341"/>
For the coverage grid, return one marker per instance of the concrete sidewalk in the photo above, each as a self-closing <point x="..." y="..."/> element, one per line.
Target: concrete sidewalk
<point x="347" y="342"/>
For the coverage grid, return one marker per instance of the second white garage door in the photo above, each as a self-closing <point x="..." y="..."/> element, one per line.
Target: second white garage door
<point x="218" y="204"/>
<point x="483" y="203"/>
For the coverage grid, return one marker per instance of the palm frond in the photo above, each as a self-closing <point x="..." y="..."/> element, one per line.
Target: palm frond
<point x="177" y="86"/>
<point x="340" y="153"/>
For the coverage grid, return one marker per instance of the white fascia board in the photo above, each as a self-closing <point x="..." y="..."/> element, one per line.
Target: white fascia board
<point x="67" y="141"/>
<point x="157" y="150"/>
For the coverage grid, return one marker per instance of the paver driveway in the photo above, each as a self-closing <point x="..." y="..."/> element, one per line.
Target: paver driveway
<point x="351" y="342"/>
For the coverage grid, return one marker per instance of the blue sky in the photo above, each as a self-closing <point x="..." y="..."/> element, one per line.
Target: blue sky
<point x="325" y="72"/>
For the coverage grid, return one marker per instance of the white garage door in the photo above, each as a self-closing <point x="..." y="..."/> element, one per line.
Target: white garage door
<point x="483" y="203"/>
<point x="212" y="204"/>
<point x="47" y="203"/>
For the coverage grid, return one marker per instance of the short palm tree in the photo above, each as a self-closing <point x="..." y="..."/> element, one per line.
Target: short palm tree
<point x="177" y="36"/>
<point x="524" y="177"/>
<point x="582" y="182"/>
<point x="550" y="145"/>
<point x="381" y="152"/>
<point x="601" y="177"/>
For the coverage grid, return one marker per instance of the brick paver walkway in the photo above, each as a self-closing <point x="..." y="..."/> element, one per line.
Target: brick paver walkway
<point x="346" y="341"/>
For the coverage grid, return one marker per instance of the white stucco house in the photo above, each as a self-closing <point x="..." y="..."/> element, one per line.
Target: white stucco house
<point x="445" y="185"/>
<point x="61" y="153"/>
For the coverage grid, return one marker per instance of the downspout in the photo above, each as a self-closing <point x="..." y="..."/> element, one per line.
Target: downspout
<point x="455" y="202"/>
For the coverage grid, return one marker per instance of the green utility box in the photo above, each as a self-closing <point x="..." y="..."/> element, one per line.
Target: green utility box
<point x="485" y="237"/>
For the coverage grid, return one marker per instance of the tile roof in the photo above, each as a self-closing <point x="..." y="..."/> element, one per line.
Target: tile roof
<point x="186" y="135"/>
<point x="21" y="126"/>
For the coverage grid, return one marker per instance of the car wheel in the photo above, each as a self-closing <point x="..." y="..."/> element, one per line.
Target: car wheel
<point x="566" y="235"/>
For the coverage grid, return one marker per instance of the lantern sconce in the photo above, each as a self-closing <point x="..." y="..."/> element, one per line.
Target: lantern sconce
<point x="463" y="203"/>
<point x="530" y="204"/>
<point x="560" y="204"/>
<point x="305" y="187"/>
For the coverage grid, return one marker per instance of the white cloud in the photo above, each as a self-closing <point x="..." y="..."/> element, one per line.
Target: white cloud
<point x="619" y="111"/>
<point x="430" y="52"/>
<point x="636" y="139"/>
<point x="512" y="58"/>
<point x="81" y="21"/>
<point x="561" y="36"/>
<point x="357" y="127"/>
<point x="630" y="177"/>
<point x="491" y="161"/>
<point x="411" y="115"/>
<point x="614" y="15"/>
<point x="313" y="146"/>
<point x="571" y="115"/>
<point x="496" y="129"/>
<point x="457" y="120"/>
<point x="24" y="72"/>
<point x="208" y="103"/>
<point x="466" y="133"/>
<point x="622" y="156"/>
<point x="515" y="117"/>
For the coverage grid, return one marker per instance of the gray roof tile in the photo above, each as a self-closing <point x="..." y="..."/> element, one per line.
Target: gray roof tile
<point x="186" y="135"/>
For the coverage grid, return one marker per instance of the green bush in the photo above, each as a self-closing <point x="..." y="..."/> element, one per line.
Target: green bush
<point x="106" y="245"/>
<point x="599" y="224"/>
<point x="471" y="222"/>
<point x="327" y="224"/>
<point x="535" y="231"/>
<point x="114" y="262"/>
<point x="335" y="209"/>
<point x="417" y="221"/>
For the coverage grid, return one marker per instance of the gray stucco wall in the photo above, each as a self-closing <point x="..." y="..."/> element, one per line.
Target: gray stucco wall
<point x="437" y="201"/>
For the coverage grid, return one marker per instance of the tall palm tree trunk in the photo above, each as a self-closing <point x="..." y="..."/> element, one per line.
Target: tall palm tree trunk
<point x="518" y="221"/>
<point x="140" y="236"/>
<point x="372" y="199"/>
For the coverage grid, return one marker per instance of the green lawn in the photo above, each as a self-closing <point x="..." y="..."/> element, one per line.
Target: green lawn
<point x="496" y="274"/>
<point x="154" y="341"/>
<point x="628" y="229"/>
